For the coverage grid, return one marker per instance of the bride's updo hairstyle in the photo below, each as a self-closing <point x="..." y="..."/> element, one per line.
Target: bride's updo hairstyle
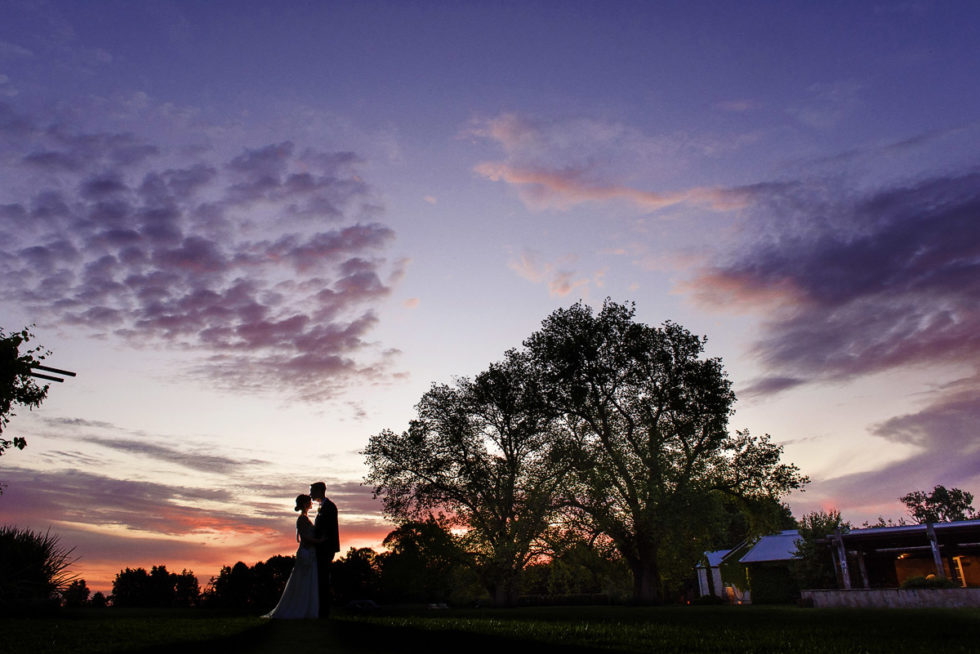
<point x="302" y="501"/>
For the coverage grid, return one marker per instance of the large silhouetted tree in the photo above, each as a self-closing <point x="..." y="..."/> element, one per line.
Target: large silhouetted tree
<point x="646" y="421"/>
<point x="480" y="454"/>
<point x="600" y="425"/>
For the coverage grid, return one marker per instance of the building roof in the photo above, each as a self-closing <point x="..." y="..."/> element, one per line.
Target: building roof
<point x="714" y="558"/>
<point x="908" y="535"/>
<point x="939" y="527"/>
<point x="777" y="547"/>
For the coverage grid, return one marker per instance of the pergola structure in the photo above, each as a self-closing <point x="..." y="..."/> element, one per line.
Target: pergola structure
<point x="887" y="556"/>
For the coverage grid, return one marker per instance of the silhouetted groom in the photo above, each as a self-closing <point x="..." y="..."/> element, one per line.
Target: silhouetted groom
<point x="325" y="527"/>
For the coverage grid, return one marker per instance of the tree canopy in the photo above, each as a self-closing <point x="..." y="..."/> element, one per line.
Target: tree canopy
<point x="941" y="505"/>
<point x="646" y="420"/>
<point x="480" y="456"/>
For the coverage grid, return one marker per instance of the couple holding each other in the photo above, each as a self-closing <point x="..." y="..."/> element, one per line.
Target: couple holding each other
<point x="307" y="592"/>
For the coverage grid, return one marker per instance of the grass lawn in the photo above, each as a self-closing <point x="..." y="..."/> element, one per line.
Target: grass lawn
<point x="508" y="631"/>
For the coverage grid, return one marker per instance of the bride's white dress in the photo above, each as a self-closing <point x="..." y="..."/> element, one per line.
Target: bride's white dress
<point x="301" y="597"/>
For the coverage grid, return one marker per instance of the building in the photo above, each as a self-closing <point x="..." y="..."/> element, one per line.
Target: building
<point x="709" y="574"/>
<point x="753" y="571"/>
<point x="886" y="557"/>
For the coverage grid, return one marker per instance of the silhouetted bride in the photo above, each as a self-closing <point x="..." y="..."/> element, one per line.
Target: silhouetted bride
<point x="300" y="597"/>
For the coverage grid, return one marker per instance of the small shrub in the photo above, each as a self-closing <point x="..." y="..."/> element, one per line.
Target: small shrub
<point x="928" y="582"/>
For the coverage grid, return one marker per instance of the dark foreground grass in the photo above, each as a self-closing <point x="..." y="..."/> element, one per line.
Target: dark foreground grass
<point x="569" y="630"/>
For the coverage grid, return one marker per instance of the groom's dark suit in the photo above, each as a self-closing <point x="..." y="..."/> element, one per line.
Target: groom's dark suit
<point x="325" y="527"/>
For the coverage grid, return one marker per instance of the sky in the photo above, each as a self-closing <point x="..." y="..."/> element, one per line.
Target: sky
<point x="260" y="231"/>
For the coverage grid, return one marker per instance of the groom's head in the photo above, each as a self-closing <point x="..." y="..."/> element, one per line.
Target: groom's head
<point x="318" y="491"/>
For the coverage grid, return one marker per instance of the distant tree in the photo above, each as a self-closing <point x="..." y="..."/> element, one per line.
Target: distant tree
<point x="814" y="565"/>
<point x="76" y="595"/>
<point x="16" y="384"/>
<point x="356" y="575"/>
<point x="256" y="588"/>
<point x="187" y="589"/>
<point x="579" y="566"/>
<point x="268" y="579"/>
<point x="33" y="568"/>
<point x="482" y="454"/>
<point x="162" y="587"/>
<point x="420" y="563"/>
<point x="882" y="523"/>
<point x="158" y="588"/>
<point x="99" y="600"/>
<point x="232" y="588"/>
<point x="941" y="505"/>
<point x="132" y="588"/>
<point x="645" y="421"/>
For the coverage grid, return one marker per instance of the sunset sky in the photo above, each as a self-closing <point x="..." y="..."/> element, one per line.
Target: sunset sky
<point x="258" y="231"/>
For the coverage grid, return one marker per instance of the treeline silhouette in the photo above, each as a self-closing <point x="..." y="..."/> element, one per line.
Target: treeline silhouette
<point x="157" y="588"/>
<point x="425" y="563"/>
<point x="422" y="563"/>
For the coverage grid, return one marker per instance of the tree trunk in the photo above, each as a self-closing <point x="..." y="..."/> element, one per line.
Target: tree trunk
<point x="501" y="582"/>
<point x="646" y="581"/>
<point x="503" y="593"/>
<point x="502" y="596"/>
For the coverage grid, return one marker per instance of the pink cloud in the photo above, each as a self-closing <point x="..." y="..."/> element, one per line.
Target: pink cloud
<point x="560" y="280"/>
<point x="560" y="164"/>
<point x="563" y="189"/>
<point x="719" y="289"/>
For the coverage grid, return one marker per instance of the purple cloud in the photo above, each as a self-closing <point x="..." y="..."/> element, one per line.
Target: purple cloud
<point x="269" y="263"/>
<point x="201" y="461"/>
<point x="946" y="424"/>
<point x="861" y="284"/>
<point x="855" y="284"/>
